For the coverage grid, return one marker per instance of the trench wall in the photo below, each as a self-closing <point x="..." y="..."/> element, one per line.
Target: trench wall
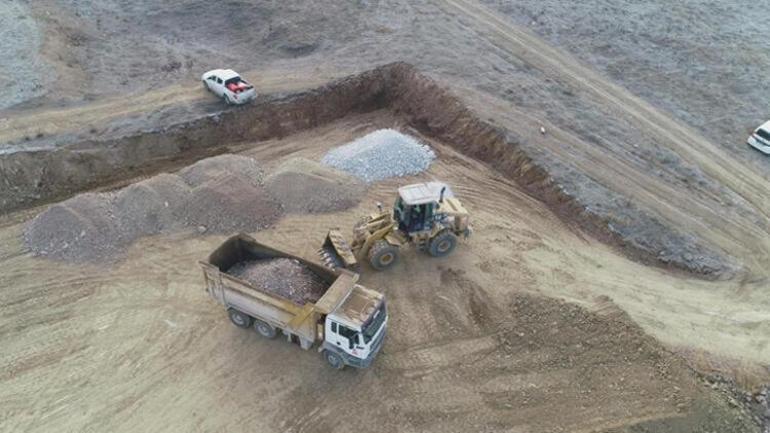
<point x="29" y="178"/>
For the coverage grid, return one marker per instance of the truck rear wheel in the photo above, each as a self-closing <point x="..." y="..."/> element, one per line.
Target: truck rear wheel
<point x="334" y="360"/>
<point x="382" y="255"/>
<point x="442" y="244"/>
<point x="264" y="329"/>
<point x="241" y="320"/>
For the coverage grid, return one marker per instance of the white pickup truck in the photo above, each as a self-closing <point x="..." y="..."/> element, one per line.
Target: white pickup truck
<point x="228" y="85"/>
<point x="760" y="139"/>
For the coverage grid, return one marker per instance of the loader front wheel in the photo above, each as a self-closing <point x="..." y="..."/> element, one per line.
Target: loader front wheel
<point x="442" y="244"/>
<point x="382" y="255"/>
<point x="239" y="319"/>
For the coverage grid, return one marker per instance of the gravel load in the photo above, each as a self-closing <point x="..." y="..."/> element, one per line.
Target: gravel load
<point x="305" y="186"/>
<point x="230" y="203"/>
<point x="285" y="277"/>
<point x="380" y="155"/>
<point x="215" y="167"/>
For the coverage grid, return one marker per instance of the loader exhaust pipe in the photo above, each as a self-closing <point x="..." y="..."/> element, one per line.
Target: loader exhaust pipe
<point x="441" y="197"/>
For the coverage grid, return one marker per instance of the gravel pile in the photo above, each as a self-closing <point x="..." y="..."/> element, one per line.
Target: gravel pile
<point x="305" y="186"/>
<point x="285" y="277"/>
<point x="380" y="155"/>
<point x="217" y="195"/>
<point x="80" y="229"/>
<point x="213" y="168"/>
<point x="150" y="206"/>
<point x="230" y="203"/>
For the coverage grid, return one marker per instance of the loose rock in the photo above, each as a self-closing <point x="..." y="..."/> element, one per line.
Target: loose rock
<point x="380" y="155"/>
<point x="285" y="277"/>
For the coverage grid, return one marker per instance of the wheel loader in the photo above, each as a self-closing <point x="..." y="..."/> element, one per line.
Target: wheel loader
<point x="425" y="214"/>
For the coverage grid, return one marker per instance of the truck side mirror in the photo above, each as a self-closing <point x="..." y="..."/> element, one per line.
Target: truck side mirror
<point x="350" y="343"/>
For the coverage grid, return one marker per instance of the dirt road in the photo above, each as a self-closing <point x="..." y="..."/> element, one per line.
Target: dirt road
<point x="471" y="345"/>
<point x="186" y="100"/>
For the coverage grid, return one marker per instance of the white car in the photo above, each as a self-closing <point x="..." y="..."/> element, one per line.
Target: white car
<point x="228" y="85"/>
<point x="760" y="139"/>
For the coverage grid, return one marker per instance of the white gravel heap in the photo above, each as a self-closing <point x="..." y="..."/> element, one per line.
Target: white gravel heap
<point x="382" y="154"/>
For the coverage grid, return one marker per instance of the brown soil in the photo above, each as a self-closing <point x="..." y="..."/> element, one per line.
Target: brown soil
<point x="469" y="348"/>
<point x="285" y="277"/>
<point x="305" y="186"/>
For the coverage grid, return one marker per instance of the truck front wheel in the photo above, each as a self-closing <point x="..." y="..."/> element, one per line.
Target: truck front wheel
<point x="334" y="360"/>
<point x="239" y="319"/>
<point x="264" y="329"/>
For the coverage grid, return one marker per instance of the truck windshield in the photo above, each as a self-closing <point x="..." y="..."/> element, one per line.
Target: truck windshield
<point x="764" y="134"/>
<point x="374" y="325"/>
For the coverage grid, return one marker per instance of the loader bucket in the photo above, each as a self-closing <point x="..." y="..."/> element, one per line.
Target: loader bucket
<point x="337" y="253"/>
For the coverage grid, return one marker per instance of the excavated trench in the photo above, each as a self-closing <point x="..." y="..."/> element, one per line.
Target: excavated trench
<point x="33" y="177"/>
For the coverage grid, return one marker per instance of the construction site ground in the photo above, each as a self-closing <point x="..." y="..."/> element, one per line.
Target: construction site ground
<point x="620" y="257"/>
<point x="478" y="341"/>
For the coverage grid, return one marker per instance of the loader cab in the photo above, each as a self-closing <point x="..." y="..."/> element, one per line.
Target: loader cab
<point x="416" y="207"/>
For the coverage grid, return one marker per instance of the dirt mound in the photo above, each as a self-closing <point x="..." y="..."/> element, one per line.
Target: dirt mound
<point x="305" y="186"/>
<point x="213" y="168"/>
<point x="148" y="207"/>
<point x="229" y="203"/>
<point x="227" y="197"/>
<point x="285" y="277"/>
<point x="79" y="229"/>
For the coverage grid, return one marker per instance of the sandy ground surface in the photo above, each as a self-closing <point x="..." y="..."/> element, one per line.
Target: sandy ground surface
<point x="138" y="346"/>
<point x="471" y="345"/>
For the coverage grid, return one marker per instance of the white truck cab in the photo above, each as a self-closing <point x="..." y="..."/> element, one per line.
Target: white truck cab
<point x="760" y="139"/>
<point x="228" y="85"/>
<point x="354" y="331"/>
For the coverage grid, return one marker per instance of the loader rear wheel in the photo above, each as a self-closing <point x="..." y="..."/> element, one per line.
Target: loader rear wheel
<point x="382" y="255"/>
<point x="334" y="360"/>
<point x="241" y="320"/>
<point x="264" y="329"/>
<point x="442" y="244"/>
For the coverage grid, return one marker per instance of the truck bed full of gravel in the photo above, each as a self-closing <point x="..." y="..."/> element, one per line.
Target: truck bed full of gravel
<point x="380" y="155"/>
<point x="284" y="277"/>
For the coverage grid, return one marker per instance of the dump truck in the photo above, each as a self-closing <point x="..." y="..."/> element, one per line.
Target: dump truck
<point x="347" y="322"/>
<point x="427" y="215"/>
